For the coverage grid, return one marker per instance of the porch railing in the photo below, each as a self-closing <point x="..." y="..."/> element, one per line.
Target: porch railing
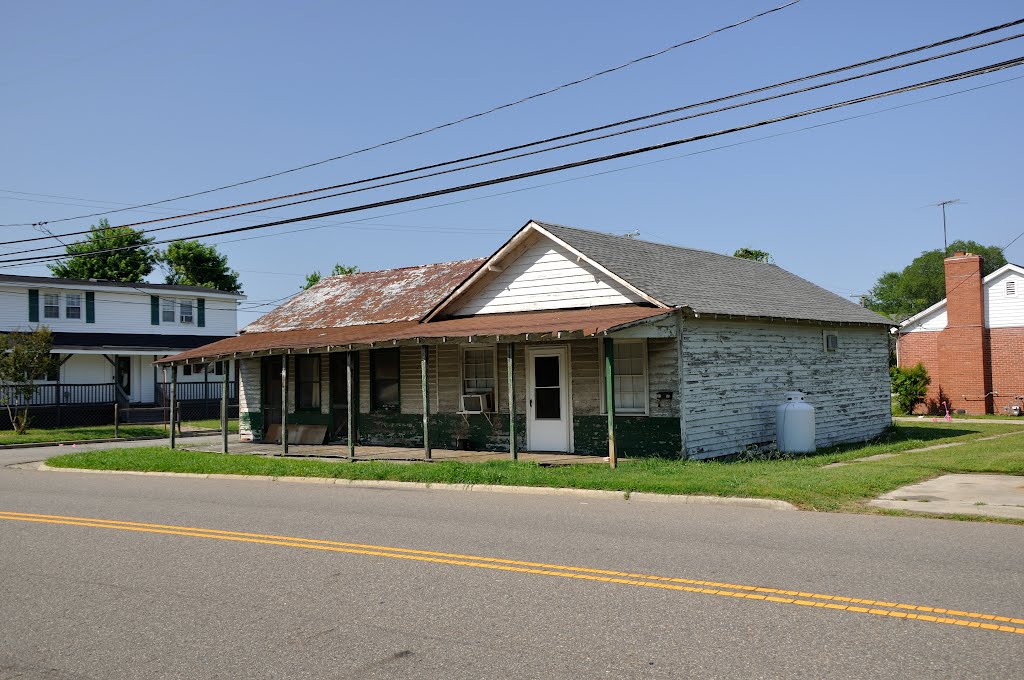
<point x="48" y="394"/>
<point x="195" y="391"/>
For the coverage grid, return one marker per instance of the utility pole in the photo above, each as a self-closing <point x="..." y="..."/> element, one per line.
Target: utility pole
<point x="945" y="239"/>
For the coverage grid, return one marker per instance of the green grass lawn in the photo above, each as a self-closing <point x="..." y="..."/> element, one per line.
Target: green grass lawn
<point x="79" y="434"/>
<point x="802" y="481"/>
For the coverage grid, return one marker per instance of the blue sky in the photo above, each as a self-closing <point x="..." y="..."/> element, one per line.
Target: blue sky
<point x="127" y="102"/>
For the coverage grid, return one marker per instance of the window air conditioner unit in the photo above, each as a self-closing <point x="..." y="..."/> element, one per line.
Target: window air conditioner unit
<point x="474" y="403"/>
<point x="186" y="318"/>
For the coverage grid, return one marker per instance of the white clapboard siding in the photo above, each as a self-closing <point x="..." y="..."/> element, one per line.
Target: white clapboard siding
<point x="546" y="276"/>
<point x="1002" y="310"/>
<point x="117" y="311"/>
<point x="735" y="375"/>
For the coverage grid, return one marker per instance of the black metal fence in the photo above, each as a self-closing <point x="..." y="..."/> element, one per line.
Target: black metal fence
<point x="58" y="405"/>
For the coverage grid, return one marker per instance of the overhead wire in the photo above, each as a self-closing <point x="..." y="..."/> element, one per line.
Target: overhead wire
<point x="574" y="134"/>
<point x="441" y="126"/>
<point x="991" y="68"/>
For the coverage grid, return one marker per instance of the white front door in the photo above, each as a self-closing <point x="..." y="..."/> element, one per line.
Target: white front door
<point x="547" y="399"/>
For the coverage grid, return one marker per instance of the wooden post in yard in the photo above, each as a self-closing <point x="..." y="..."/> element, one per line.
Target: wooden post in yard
<point x="425" y="387"/>
<point x="224" y="409"/>
<point x="512" y="450"/>
<point x="350" y="371"/>
<point x="117" y="423"/>
<point x="284" y="405"/>
<point x="174" y="402"/>
<point x="609" y="395"/>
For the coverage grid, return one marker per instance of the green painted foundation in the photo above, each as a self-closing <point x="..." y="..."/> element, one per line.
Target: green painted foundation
<point x="251" y="421"/>
<point x="635" y="436"/>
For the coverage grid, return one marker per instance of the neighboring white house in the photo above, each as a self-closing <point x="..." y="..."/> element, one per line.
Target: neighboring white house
<point x="108" y="334"/>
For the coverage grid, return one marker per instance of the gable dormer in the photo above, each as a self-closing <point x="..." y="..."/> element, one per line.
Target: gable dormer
<point x="537" y="271"/>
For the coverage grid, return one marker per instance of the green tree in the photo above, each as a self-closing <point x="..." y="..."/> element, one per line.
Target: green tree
<point x="191" y="263"/>
<point x="87" y="261"/>
<point x="754" y="254"/>
<point x="339" y="270"/>
<point x="922" y="283"/>
<point x="24" y="359"/>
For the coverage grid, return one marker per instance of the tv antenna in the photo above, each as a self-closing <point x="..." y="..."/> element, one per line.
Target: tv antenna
<point x="945" y="240"/>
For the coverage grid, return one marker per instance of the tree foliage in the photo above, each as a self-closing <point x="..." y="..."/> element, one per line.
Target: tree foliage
<point x="922" y="283"/>
<point x="24" y="359"/>
<point x="339" y="269"/>
<point x="910" y="385"/>
<point x="754" y="254"/>
<point x="131" y="265"/>
<point x="191" y="263"/>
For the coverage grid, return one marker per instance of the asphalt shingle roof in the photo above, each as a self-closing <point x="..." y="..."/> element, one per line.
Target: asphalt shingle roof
<point x="710" y="283"/>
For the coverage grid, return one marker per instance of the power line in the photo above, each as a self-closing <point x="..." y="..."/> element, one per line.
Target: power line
<point x="572" y="134"/>
<point x="991" y="68"/>
<point x="441" y="126"/>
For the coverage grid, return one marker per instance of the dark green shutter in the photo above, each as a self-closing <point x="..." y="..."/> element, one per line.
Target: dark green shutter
<point x="33" y="305"/>
<point x="90" y="307"/>
<point x="201" y="312"/>
<point x="154" y="310"/>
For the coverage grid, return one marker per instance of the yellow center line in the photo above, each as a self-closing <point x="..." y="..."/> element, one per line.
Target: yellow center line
<point x="791" y="597"/>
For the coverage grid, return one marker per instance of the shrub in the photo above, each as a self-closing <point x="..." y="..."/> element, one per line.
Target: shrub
<point x="909" y="385"/>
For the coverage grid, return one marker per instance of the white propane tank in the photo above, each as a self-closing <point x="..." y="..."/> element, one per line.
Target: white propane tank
<point x="794" y="423"/>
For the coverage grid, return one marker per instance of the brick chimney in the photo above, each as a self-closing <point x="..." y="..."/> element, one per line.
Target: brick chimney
<point x="963" y="344"/>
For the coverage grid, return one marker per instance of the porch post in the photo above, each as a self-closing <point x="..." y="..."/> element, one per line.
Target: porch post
<point x="609" y="395"/>
<point x="352" y="405"/>
<point x="174" y="400"/>
<point x="424" y="361"/>
<point x="284" y="405"/>
<point x="512" y="450"/>
<point x="224" y="409"/>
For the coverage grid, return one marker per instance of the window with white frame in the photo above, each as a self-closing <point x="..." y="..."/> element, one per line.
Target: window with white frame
<point x="185" y="307"/>
<point x="478" y="371"/>
<point x="73" y="305"/>
<point x="51" y="305"/>
<point x="167" y="309"/>
<point x="630" y="371"/>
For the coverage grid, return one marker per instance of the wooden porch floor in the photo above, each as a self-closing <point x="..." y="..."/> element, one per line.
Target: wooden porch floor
<point x="395" y="454"/>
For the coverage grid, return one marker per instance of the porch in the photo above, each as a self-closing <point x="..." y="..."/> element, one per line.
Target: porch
<point x="395" y="454"/>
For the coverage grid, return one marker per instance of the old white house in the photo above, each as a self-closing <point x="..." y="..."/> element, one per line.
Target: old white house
<point x="563" y="340"/>
<point x="107" y="336"/>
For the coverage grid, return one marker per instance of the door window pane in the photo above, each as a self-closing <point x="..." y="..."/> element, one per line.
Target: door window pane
<point x="546" y="373"/>
<point x="549" y="403"/>
<point x="384" y="375"/>
<point x="307" y="382"/>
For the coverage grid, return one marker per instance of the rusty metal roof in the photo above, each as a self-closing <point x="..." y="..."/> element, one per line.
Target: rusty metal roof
<point x="386" y="296"/>
<point x="545" y="324"/>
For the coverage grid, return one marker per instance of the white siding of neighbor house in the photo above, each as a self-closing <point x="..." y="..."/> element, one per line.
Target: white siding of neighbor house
<point x="1002" y="310"/>
<point x="735" y="374"/>
<point x="546" y="276"/>
<point x="117" y="311"/>
<point x="936" y="321"/>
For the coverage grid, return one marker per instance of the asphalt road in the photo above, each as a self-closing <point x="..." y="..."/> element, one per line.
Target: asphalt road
<point x="520" y="588"/>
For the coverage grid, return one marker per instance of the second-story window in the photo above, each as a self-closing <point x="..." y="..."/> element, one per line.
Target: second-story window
<point x="167" y="310"/>
<point x="186" y="311"/>
<point x="73" y="306"/>
<point x="51" y="305"/>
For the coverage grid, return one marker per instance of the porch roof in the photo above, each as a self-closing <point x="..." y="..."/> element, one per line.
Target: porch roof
<point x="543" y="324"/>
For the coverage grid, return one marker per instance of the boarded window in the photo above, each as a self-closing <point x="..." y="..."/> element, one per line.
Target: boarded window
<point x="307" y="382"/>
<point x="630" y="370"/>
<point x="384" y="375"/>
<point x="73" y="306"/>
<point x="51" y="305"/>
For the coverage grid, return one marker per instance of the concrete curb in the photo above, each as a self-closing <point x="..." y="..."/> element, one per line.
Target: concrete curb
<point x="764" y="503"/>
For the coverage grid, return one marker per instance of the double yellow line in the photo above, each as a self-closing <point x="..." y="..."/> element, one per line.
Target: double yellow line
<point x="937" y="615"/>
